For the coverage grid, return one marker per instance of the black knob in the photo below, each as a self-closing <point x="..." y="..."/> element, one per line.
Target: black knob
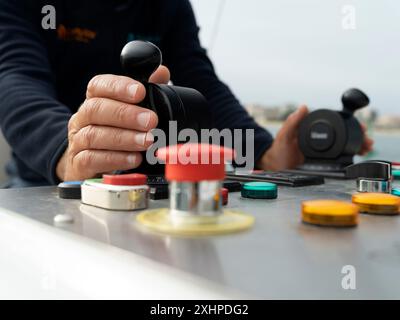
<point x="354" y="99"/>
<point x="140" y="59"/>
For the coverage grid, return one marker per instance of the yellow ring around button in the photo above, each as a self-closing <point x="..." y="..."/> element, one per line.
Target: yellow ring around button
<point x="333" y="213"/>
<point x="377" y="203"/>
<point x="160" y="220"/>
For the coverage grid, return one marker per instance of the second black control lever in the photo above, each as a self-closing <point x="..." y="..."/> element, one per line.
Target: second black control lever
<point x="330" y="139"/>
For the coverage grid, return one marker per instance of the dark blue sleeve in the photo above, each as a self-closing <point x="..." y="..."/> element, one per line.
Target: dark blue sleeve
<point x="191" y="67"/>
<point x="32" y="120"/>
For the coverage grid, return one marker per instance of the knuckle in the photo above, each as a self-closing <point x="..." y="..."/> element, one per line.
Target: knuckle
<point x="73" y="144"/>
<point x="118" y="138"/>
<point x="72" y="132"/>
<point x="122" y="113"/>
<point x="108" y="83"/>
<point x="84" y="160"/>
<point x="109" y="158"/>
<point x="71" y="123"/>
<point x="87" y="136"/>
<point x="93" y="83"/>
<point x="91" y="106"/>
<point x="113" y="86"/>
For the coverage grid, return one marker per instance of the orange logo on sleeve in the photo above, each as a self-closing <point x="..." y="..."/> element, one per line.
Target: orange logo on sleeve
<point x="75" y="34"/>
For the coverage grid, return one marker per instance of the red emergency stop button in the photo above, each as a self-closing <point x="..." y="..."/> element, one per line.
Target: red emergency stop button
<point x="192" y="162"/>
<point x="133" y="179"/>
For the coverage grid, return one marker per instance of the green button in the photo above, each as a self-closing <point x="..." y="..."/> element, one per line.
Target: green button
<point x="396" y="174"/>
<point x="260" y="190"/>
<point x="396" y="192"/>
<point x="95" y="180"/>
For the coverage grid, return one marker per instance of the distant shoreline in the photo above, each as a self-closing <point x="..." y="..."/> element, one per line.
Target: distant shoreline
<point x="277" y="124"/>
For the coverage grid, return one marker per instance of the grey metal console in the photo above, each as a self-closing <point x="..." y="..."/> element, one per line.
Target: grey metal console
<point x="280" y="257"/>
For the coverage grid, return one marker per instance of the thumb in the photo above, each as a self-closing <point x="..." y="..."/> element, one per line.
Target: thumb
<point x="161" y="75"/>
<point x="290" y="127"/>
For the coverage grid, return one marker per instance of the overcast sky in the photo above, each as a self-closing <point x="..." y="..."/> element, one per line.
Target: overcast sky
<point x="280" y="51"/>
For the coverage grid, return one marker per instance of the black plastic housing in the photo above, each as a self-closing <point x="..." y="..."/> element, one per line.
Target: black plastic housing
<point x="330" y="139"/>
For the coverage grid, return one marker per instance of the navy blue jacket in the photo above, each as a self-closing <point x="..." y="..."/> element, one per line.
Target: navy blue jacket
<point x="44" y="73"/>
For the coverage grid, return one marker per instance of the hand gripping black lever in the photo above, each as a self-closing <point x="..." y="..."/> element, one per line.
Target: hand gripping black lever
<point x="187" y="106"/>
<point x="178" y="108"/>
<point x="372" y="176"/>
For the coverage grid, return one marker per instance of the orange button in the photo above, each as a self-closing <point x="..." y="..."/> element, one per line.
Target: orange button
<point x="377" y="203"/>
<point x="333" y="213"/>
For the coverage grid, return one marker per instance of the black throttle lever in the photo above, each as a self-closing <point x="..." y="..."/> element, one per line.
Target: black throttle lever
<point x="372" y="176"/>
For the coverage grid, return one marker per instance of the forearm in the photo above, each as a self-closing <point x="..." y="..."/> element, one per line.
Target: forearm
<point x="31" y="118"/>
<point x="34" y="124"/>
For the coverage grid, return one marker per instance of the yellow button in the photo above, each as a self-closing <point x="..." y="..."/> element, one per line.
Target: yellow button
<point x="377" y="203"/>
<point x="332" y="213"/>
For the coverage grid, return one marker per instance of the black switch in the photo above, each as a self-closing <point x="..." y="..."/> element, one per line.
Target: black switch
<point x="374" y="169"/>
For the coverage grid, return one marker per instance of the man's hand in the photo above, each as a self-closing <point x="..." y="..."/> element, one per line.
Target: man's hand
<point x="109" y="130"/>
<point x="368" y="142"/>
<point x="285" y="152"/>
